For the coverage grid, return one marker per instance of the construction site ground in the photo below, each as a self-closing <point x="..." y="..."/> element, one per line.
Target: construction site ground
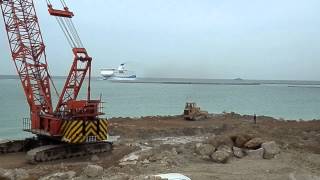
<point x="172" y="139"/>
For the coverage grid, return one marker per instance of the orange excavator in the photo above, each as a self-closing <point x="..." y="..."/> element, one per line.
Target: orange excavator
<point x="74" y="127"/>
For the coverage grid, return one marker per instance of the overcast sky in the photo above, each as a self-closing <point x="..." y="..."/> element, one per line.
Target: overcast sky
<point x="251" y="39"/>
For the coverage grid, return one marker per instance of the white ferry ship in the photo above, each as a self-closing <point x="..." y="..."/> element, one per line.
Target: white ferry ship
<point x="118" y="74"/>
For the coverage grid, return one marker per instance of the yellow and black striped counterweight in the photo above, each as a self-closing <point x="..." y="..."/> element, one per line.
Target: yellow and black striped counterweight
<point x="82" y="131"/>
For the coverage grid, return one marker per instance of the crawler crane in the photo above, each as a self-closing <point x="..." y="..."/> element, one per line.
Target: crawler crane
<point x="73" y="127"/>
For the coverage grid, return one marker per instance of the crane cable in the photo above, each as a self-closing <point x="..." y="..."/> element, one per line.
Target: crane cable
<point x="76" y="32"/>
<point x="71" y="28"/>
<point x="70" y="31"/>
<point x="73" y="31"/>
<point x="66" y="32"/>
<point x="68" y="28"/>
<point x="63" y="4"/>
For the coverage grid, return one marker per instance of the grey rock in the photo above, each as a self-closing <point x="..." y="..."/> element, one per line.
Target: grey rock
<point x="128" y="163"/>
<point x="142" y="177"/>
<point x="21" y="174"/>
<point x="171" y="162"/>
<point x="180" y="150"/>
<point x="14" y="174"/>
<point x="4" y="175"/>
<point x="254" y="143"/>
<point x="219" y="140"/>
<point x="146" y="161"/>
<point x="255" y="154"/>
<point x="60" y="176"/>
<point x="225" y="148"/>
<point x="150" y="178"/>
<point x="241" y="140"/>
<point x="145" y="155"/>
<point x="93" y="171"/>
<point x="206" y="158"/>
<point x="160" y="156"/>
<point x="95" y="158"/>
<point x="174" y="151"/>
<point x="205" y="149"/>
<point x="197" y="145"/>
<point x="80" y="178"/>
<point x="119" y="177"/>
<point x="220" y="156"/>
<point x="270" y="149"/>
<point x="238" y="152"/>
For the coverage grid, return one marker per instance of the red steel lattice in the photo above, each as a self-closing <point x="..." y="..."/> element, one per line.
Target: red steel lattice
<point x="28" y="54"/>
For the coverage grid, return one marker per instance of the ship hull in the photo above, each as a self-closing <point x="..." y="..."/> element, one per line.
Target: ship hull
<point x="119" y="78"/>
<point x="132" y="78"/>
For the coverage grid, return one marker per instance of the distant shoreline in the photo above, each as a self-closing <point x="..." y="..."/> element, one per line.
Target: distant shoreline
<point x="304" y="87"/>
<point x="289" y="83"/>
<point x="199" y="83"/>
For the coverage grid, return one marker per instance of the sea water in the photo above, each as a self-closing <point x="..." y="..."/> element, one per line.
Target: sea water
<point x="151" y="97"/>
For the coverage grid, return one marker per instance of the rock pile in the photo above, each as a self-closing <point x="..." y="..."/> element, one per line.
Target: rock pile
<point x="221" y="148"/>
<point x="141" y="177"/>
<point x="93" y="171"/>
<point x="165" y="158"/>
<point x="13" y="174"/>
<point x="89" y="172"/>
<point x="60" y="176"/>
<point x="164" y="155"/>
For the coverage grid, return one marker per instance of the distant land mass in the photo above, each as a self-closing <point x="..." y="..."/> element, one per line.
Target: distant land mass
<point x="237" y="81"/>
<point x="9" y="77"/>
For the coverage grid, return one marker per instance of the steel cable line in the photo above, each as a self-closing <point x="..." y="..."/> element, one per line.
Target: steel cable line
<point x="64" y="32"/>
<point x="68" y="28"/>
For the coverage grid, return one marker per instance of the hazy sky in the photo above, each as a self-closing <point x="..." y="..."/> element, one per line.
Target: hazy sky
<point x="251" y="39"/>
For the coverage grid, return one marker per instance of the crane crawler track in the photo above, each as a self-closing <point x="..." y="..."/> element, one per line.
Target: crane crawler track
<point x="66" y="151"/>
<point x="11" y="146"/>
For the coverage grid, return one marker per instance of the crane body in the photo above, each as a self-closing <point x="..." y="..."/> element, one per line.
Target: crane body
<point x="72" y="122"/>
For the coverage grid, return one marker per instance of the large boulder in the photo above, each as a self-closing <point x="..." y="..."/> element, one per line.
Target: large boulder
<point x="255" y="154"/>
<point x="220" y="156"/>
<point x="204" y="149"/>
<point x="225" y="148"/>
<point x="238" y="152"/>
<point x="60" y="176"/>
<point x="241" y="139"/>
<point x="254" y="143"/>
<point x="219" y="140"/>
<point x="93" y="171"/>
<point x="270" y="149"/>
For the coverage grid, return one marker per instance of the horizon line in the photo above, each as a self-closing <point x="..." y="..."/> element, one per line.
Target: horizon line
<point x="238" y="79"/>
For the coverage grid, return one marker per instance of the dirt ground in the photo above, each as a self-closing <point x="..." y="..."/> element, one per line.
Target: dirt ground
<point x="299" y="142"/>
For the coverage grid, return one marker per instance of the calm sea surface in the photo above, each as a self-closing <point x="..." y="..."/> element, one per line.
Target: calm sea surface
<point x="285" y="99"/>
